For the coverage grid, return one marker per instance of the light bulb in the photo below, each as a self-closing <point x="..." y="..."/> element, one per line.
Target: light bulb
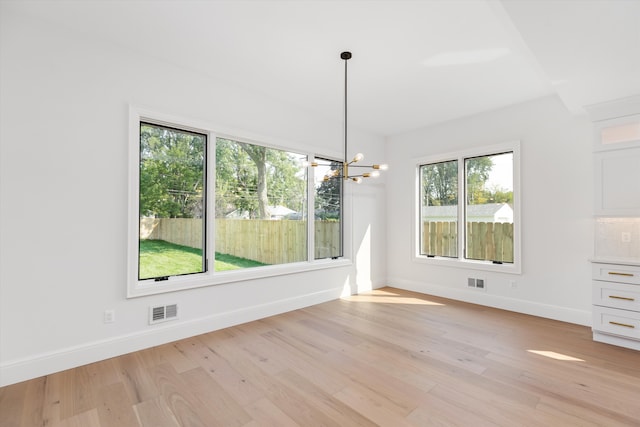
<point x="381" y="167"/>
<point x="374" y="174"/>
<point x="357" y="180"/>
<point x="358" y="157"/>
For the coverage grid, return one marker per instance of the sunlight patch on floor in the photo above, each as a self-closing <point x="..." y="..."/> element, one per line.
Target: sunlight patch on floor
<point x="386" y="297"/>
<point x="556" y="356"/>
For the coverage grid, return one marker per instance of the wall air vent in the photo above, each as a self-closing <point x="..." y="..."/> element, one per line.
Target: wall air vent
<point x="163" y="313"/>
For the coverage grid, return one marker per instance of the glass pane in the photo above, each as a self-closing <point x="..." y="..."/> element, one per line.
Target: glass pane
<point x="172" y="205"/>
<point x="328" y="211"/>
<point x="261" y="202"/>
<point x="439" y="209"/>
<point x="626" y="132"/>
<point x="489" y="208"/>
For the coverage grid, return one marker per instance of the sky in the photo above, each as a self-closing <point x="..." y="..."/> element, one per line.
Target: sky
<point x="502" y="172"/>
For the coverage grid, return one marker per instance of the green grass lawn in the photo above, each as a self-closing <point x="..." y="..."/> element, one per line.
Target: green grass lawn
<point x="159" y="258"/>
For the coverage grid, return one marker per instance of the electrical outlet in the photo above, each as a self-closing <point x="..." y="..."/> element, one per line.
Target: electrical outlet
<point x="480" y="283"/>
<point x="513" y="284"/>
<point x="109" y="316"/>
<point x="471" y="282"/>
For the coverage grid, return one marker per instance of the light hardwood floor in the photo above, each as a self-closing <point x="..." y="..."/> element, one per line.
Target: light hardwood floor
<point x="389" y="358"/>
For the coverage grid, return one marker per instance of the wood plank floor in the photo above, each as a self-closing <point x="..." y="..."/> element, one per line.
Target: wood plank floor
<point x="389" y="358"/>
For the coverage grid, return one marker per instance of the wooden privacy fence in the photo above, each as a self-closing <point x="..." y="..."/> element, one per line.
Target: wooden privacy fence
<point x="492" y="241"/>
<point x="263" y="240"/>
<point x="440" y="238"/>
<point x="181" y="231"/>
<point x="266" y="241"/>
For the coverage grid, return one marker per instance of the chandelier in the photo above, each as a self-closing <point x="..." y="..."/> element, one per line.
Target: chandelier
<point x="343" y="172"/>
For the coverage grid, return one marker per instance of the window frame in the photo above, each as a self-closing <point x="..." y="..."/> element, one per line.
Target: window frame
<point x="460" y="261"/>
<point x="205" y="198"/>
<point x="312" y="189"/>
<point x="137" y="288"/>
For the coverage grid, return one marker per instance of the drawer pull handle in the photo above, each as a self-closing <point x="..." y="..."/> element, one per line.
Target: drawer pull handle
<point x="622" y="324"/>
<point x="615" y="273"/>
<point x="623" y="298"/>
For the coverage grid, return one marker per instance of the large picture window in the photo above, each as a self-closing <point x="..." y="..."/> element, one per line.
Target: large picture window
<point x="208" y="209"/>
<point x="468" y="207"/>
<point x="261" y="206"/>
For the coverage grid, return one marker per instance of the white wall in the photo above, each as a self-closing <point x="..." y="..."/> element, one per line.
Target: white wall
<point x="63" y="211"/>
<point x="557" y="224"/>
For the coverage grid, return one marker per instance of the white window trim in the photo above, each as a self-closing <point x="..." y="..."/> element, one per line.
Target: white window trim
<point x="460" y="261"/>
<point x="137" y="288"/>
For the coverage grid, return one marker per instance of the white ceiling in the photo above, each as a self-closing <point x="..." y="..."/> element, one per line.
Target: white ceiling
<point x="415" y="63"/>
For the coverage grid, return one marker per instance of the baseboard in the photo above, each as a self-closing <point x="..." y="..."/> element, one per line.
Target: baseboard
<point x="548" y="311"/>
<point x="616" y="340"/>
<point x="47" y="363"/>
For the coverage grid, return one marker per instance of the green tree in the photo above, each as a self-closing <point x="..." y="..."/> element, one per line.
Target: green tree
<point x="498" y="194"/>
<point x="440" y="184"/>
<point x="327" y="201"/>
<point x="440" y="181"/>
<point x="251" y="178"/>
<point x="286" y="180"/>
<point x="235" y="179"/>
<point x="171" y="172"/>
<point x="477" y="172"/>
<point x="258" y="155"/>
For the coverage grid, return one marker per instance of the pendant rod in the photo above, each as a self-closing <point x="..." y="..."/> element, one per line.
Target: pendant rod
<point x="345" y="110"/>
<point x="346" y="56"/>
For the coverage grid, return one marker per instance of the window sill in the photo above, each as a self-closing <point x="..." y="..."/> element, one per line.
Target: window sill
<point x="468" y="264"/>
<point x="181" y="283"/>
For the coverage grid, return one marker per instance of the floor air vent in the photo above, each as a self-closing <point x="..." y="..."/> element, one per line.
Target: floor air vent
<point x="163" y="313"/>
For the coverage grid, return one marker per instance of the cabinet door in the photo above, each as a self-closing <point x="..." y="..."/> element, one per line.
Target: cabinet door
<point x="617" y="182"/>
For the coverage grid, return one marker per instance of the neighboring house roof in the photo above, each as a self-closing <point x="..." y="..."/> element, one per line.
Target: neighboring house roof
<point x="495" y="211"/>
<point x="280" y="210"/>
<point x="439" y="211"/>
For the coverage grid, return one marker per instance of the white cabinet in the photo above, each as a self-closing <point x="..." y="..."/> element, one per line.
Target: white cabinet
<point x="616" y="266"/>
<point x="617" y="182"/>
<point x="616" y="304"/>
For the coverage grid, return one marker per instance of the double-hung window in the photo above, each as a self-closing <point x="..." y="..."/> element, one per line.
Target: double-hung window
<point x="207" y="208"/>
<point x="468" y="208"/>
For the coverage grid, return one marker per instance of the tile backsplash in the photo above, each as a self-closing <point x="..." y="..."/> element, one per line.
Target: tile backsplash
<point x="618" y="238"/>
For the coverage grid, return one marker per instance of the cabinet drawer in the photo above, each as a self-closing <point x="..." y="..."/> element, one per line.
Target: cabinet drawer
<point x="617" y="322"/>
<point x="616" y="273"/>
<point x="616" y="295"/>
